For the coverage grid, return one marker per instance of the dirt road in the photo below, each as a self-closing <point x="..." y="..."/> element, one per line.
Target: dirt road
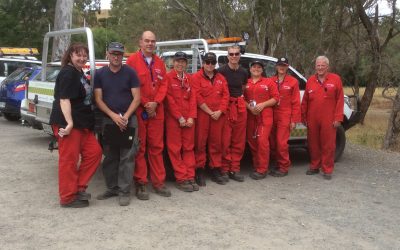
<point x="358" y="209"/>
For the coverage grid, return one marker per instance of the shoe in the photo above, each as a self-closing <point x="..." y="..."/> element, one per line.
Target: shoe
<point x="277" y="173"/>
<point x="200" y="178"/>
<point x="124" y="199"/>
<point x="83" y="196"/>
<point x="76" y="204"/>
<point x="194" y="185"/>
<point x="216" y="176"/>
<point x="327" y="176"/>
<point x="163" y="191"/>
<point x="312" y="171"/>
<point x="257" y="176"/>
<point x="107" y="194"/>
<point x="184" y="186"/>
<point x="236" y="176"/>
<point x="225" y="176"/>
<point x="141" y="192"/>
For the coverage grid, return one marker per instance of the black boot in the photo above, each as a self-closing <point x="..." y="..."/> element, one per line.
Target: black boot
<point x="200" y="178"/>
<point x="217" y="177"/>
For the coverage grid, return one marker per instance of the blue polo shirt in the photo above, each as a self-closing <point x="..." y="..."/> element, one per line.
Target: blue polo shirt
<point x="116" y="87"/>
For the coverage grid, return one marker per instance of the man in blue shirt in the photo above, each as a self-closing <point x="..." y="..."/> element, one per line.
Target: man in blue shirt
<point x="117" y="95"/>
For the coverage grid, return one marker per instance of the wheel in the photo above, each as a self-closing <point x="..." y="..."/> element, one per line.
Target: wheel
<point x="340" y="143"/>
<point x="11" y="117"/>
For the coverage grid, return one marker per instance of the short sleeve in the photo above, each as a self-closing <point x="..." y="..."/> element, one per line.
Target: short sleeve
<point x="134" y="79"/>
<point x="69" y="85"/>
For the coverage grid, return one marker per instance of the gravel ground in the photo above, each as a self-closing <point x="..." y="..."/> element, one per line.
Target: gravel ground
<point x="358" y="209"/>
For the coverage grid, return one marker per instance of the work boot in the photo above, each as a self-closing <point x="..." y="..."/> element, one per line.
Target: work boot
<point x="327" y="176"/>
<point x="194" y="185"/>
<point x="141" y="192"/>
<point x="76" y="204"/>
<point x="83" y="196"/>
<point x="184" y="186"/>
<point x="312" y="171"/>
<point x="200" y="178"/>
<point x="257" y="176"/>
<point x="216" y="176"/>
<point x="107" y="194"/>
<point x="278" y="173"/>
<point x="236" y="176"/>
<point x="162" y="191"/>
<point x="124" y="199"/>
<point x="225" y="177"/>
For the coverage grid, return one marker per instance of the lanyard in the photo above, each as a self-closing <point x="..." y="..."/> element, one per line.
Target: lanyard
<point x="322" y="84"/>
<point x="150" y="67"/>
<point x="279" y="83"/>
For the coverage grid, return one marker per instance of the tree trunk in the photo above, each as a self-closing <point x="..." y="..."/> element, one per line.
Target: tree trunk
<point x="62" y="20"/>
<point x="393" y="129"/>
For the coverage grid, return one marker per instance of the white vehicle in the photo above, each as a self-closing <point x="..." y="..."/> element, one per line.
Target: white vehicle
<point x="196" y="48"/>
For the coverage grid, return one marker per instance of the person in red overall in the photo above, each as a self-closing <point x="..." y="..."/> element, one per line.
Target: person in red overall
<point x="261" y="95"/>
<point x="234" y="137"/>
<point x="212" y="96"/>
<point x="153" y="89"/>
<point x="181" y="110"/>
<point x="322" y="113"/>
<point x="286" y="114"/>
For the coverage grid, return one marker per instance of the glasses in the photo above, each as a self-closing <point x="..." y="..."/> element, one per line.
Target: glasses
<point x="210" y="62"/>
<point x="234" y="54"/>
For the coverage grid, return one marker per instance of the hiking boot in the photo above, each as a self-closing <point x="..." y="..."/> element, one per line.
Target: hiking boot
<point x="200" y="178"/>
<point x="76" y="204"/>
<point x="194" y="185"/>
<point x="277" y="173"/>
<point x="83" y="196"/>
<point x="124" y="199"/>
<point x="184" y="186"/>
<point x="141" y="192"/>
<point x="163" y="191"/>
<point x="216" y="177"/>
<point x="257" y="176"/>
<point x="225" y="177"/>
<point x="312" y="171"/>
<point x="327" y="176"/>
<point x="236" y="176"/>
<point x="107" y="194"/>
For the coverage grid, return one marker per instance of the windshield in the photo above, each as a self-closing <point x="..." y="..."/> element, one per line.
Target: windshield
<point x="51" y="74"/>
<point x="19" y="74"/>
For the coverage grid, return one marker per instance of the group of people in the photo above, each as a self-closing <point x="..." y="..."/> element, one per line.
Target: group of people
<point x="207" y="116"/>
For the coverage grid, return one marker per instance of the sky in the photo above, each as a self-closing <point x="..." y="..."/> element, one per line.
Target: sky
<point x="105" y="4"/>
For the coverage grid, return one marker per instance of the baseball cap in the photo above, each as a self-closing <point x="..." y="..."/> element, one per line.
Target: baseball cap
<point x="210" y="56"/>
<point x="282" y="61"/>
<point x="257" y="62"/>
<point x="180" y="55"/>
<point x="116" y="46"/>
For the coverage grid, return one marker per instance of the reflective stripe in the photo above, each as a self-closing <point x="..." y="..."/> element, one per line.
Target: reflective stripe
<point x="41" y="91"/>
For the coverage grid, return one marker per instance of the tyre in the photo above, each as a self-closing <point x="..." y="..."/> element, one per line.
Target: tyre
<point x="340" y="143"/>
<point x="11" y="117"/>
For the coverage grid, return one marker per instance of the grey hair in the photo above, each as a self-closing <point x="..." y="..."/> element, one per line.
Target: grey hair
<point x="323" y="58"/>
<point x="233" y="47"/>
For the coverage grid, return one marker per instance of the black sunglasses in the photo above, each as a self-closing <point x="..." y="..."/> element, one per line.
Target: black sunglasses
<point x="210" y="62"/>
<point x="234" y="54"/>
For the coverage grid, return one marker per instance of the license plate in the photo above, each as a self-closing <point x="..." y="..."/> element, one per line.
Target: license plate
<point x="2" y="104"/>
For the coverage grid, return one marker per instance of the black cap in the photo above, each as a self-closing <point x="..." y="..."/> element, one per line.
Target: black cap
<point x="116" y="46"/>
<point x="180" y="55"/>
<point x="210" y="56"/>
<point x="282" y="61"/>
<point x="257" y="62"/>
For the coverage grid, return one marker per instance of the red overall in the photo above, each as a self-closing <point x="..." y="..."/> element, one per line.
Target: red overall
<point x="259" y="126"/>
<point x="286" y="111"/>
<point x="234" y="136"/>
<point x="153" y="88"/>
<point x="180" y="102"/>
<point x="322" y="105"/>
<point x="70" y="147"/>
<point x="213" y="92"/>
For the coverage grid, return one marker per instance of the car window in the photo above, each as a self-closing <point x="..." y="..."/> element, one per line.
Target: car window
<point x="51" y="74"/>
<point x="8" y="67"/>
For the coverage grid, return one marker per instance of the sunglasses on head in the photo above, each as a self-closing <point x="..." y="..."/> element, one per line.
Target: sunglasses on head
<point x="210" y="62"/>
<point x="234" y="54"/>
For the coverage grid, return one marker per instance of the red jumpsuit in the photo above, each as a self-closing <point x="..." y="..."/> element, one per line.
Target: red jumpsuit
<point x="213" y="92"/>
<point x="153" y="88"/>
<point x="286" y="111"/>
<point x="259" y="126"/>
<point x="180" y="102"/>
<point x="322" y="105"/>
